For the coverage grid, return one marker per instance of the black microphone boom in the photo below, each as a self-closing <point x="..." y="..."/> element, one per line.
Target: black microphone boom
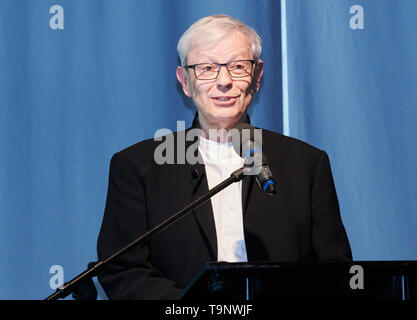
<point x="82" y="285"/>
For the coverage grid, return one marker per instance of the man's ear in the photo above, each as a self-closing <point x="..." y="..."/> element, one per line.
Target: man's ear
<point x="259" y="70"/>
<point x="183" y="78"/>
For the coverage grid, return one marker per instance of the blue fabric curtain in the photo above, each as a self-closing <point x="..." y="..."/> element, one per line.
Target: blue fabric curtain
<point x="71" y="95"/>
<point x="353" y="92"/>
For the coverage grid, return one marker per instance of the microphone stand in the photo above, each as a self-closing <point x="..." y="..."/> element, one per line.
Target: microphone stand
<point x="82" y="285"/>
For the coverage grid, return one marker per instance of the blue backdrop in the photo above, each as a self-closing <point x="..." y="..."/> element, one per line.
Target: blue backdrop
<point x="84" y="80"/>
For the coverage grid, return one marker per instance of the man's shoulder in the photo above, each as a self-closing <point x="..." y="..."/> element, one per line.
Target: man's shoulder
<point x="273" y="142"/>
<point x="295" y="155"/>
<point x="139" y="148"/>
<point x="285" y="143"/>
<point x="144" y="149"/>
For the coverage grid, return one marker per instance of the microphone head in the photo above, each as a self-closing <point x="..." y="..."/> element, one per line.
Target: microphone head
<point x="247" y="142"/>
<point x="244" y="138"/>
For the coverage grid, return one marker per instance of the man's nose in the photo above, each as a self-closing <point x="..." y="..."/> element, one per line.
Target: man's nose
<point x="224" y="80"/>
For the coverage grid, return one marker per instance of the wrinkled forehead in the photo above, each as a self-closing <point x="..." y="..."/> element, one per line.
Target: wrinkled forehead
<point x="232" y="46"/>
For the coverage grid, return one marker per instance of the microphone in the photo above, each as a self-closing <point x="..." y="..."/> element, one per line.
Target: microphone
<point x="247" y="142"/>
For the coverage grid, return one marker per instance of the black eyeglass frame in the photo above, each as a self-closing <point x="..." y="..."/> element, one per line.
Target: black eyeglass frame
<point x="192" y="66"/>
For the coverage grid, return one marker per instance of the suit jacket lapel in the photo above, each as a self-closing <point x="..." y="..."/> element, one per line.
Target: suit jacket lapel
<point x="204" y="214"/>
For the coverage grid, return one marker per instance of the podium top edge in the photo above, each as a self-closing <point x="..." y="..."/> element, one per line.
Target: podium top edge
<point x="307" y="264"/>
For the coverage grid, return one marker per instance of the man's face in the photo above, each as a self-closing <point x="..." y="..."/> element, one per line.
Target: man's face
<point x="221" y="102"/>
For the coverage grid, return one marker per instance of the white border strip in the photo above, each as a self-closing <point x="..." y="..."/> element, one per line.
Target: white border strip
<point x="285" y="106"/>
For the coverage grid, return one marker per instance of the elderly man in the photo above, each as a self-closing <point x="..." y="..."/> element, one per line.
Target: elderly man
<point x="221" y="71"/>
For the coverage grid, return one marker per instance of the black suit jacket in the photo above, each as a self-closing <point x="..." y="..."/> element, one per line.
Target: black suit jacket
<point x="302" y="222"/>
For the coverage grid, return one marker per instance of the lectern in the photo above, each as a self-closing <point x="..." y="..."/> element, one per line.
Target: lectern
<point x="354" y="280"/>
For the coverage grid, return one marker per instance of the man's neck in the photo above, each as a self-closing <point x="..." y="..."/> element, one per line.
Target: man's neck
<point x="218" y="132"/>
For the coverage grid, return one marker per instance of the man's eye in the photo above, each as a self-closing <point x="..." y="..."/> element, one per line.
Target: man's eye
<point x="206" y="68"/>
<point x="239" y="66"/>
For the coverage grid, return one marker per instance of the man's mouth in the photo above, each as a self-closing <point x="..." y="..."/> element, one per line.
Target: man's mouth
<point x="224" y="100"/>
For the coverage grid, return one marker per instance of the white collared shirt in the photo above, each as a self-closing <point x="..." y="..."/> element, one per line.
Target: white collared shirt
<point x="220" y="161"/>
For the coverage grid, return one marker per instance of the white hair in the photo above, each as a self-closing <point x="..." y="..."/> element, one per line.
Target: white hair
<point x="210" y="30"/>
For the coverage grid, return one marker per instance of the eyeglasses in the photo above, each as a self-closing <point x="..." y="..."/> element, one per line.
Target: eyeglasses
<point x="210" y="71"/>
